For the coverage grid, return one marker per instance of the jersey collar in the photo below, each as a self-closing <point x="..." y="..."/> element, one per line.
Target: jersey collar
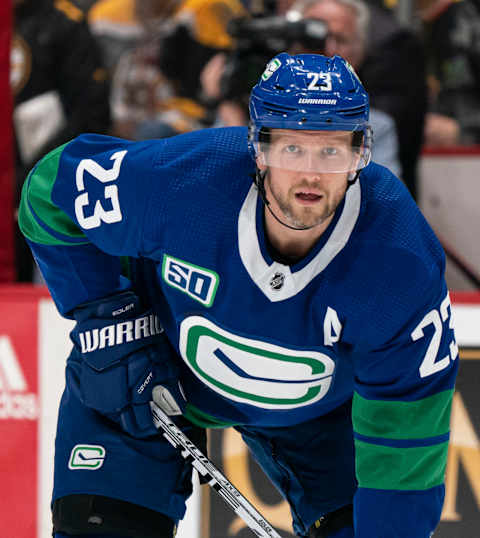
<point x="276" y="280"/>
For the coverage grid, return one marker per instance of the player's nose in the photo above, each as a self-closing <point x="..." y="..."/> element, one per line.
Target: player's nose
<point x="312" y="174"/>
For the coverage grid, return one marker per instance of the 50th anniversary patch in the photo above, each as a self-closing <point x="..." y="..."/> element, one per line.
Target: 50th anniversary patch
<point x="197" y="282"/>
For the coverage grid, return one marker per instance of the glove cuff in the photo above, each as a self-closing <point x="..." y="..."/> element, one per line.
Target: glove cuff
<point x="122" y="305"/>
<point x="109" y="330"/>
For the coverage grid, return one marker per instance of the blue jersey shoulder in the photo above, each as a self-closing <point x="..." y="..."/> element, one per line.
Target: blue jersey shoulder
<point x="200" y="180"/>
<point x="395" y="262"/>
<point x="392" y="218"/>
<point x="158" y="185"/>
<point x="216" y="159"/>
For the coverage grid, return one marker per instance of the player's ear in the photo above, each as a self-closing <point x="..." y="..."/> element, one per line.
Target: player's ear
<point x="355" y="161"/>
<point x="261" y="161"/>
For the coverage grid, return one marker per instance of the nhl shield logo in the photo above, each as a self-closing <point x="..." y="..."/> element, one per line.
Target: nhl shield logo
<point x="276" y="283"/>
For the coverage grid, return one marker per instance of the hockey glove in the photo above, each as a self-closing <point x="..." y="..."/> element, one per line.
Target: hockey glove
<point x="122" y="354"/>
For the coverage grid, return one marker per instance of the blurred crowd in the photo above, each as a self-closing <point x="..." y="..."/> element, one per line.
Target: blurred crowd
<point x="154" y="68"/>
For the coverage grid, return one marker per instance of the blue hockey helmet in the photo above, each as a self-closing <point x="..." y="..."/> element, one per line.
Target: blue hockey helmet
<point x="311" y="92"/>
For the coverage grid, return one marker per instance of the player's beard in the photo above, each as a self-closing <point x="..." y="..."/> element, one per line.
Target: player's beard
<point x="300" y="216"/>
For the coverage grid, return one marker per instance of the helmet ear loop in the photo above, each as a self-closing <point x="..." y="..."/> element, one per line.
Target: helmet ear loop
<point x="368" y="138"/>
<point x="259" y="180"/>
<point x="352" y="178"/>
<point x="369" y="143"/>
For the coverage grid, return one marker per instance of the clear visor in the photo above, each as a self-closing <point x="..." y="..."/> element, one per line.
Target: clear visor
<point x="314" y="151"/>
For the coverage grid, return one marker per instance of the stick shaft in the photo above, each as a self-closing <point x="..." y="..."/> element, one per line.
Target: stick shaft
<point x="216" y="480"/>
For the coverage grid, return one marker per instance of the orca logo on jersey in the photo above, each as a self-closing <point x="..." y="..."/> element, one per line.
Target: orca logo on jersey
<point x="253" y="371"/>
<point x="197" y="282"/>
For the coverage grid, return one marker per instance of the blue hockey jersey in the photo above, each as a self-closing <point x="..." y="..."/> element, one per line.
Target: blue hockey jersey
<point x="366" y="314"/>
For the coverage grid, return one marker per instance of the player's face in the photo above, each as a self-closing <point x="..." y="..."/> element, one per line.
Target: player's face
<point x="307" y="173"/>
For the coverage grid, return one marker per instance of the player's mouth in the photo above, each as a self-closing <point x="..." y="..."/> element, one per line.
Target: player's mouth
<point x="308" y="196"/>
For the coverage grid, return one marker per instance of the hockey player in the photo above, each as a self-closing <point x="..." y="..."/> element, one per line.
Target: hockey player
<point x="307" y="308"/>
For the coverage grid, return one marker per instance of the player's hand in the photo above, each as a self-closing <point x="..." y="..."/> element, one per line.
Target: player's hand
<point x="170" y="398"/>
<point x="122" y="353"/>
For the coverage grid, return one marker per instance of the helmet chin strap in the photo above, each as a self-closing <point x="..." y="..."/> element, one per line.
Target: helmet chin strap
<point x="351" y="178"/>
<point x="259" y="180"/>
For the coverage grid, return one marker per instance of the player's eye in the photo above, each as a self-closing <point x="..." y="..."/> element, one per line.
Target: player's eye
<point x="330" y="152"/>
<point x="292" y="149"/>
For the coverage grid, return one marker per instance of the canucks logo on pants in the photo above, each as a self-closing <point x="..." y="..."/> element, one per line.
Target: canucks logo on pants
<point x="86" y="457"/>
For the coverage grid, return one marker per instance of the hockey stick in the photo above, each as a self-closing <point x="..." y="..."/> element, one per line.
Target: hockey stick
<point x="229" y="493"/>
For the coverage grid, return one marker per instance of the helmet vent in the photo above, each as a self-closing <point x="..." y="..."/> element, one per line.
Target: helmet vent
<point x="278" y="109"/>
<point x="355" y="111"/>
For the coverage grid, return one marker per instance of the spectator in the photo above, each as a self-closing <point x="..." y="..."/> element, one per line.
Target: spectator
<point x="282" y="6"/>
<point x="452" y="31"/>
<point x="394" y="71"/>
<point x="59" y="85"/>
<point x="390" y="64"/>
<point x="156" y="88"/>
<point x="115" y="26"/>
<point x="347" y="22"/>
<point x="84" y="5"/>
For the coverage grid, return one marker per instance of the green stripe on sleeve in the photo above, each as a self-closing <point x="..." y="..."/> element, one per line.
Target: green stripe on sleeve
<point x="383" y="467"/>
<point x="420" y="419"/>
<point x="30" y="227"/>
<point x="37" y="191"/>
